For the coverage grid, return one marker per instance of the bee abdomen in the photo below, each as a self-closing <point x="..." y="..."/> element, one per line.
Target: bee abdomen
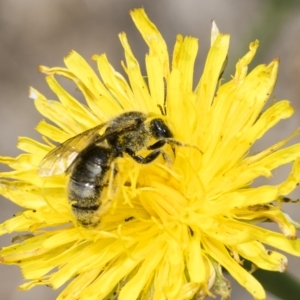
<point x="86" y="216"/>
<point x="83" y="194"/>
<point x="87" y="181"/>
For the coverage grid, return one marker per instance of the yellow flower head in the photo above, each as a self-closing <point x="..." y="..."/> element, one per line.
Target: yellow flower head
<point x="161" y="229"/>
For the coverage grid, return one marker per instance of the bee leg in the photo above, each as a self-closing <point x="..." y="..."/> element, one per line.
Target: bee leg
<point x="172" y="142"/>
<point x="112" y="182"/>
<point x="157" y="145"/>
<point x="150" y="157"/>
<point x="160" y="144"/>
<point x="111" y="192"/>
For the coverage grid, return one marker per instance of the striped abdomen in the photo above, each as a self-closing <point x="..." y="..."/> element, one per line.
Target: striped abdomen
<point x="89" y="176"/>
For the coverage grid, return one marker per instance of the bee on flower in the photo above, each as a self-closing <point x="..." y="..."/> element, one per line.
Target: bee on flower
<point x="148" y="193"/>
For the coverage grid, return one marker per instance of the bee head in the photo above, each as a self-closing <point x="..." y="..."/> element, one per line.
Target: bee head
<point x="159" y="129"/>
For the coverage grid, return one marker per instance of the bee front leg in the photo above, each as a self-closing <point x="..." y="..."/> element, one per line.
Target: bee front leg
<point x="150" y="157"/>
<point x="160" y="144"/>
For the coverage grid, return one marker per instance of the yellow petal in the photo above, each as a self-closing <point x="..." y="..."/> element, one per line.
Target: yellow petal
<point x="152" y="37"/>
<point x="219" y="253"/>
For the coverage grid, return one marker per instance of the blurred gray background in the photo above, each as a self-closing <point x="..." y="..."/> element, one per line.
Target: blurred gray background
<point x="35" y="32"/>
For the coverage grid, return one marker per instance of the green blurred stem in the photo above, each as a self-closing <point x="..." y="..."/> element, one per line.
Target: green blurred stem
<point x="282" y="285"/>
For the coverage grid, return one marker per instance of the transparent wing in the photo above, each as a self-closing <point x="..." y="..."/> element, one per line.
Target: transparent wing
<point x="60" y="158"/>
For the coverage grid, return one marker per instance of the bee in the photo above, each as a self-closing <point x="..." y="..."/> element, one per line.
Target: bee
<point x="89" y="158"/>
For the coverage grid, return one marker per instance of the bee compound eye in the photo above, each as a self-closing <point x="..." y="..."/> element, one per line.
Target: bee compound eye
<point x="159" y="129"/>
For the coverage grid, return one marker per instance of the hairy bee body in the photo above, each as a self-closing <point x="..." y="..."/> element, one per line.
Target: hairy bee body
<point x="89" y="156"/>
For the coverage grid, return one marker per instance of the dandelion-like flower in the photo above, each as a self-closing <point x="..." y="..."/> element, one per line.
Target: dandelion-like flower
<point x="173" y="224"/>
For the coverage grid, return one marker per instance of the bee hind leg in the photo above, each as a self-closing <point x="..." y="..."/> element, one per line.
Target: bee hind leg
<point x="112" y="182"/>
<point x="111" y="189"/>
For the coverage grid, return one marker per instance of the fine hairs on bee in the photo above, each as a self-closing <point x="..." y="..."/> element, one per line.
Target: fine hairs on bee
<point x="89" y="159"/>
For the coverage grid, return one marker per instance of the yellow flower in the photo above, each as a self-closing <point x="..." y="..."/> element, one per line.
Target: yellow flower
<point x="175" y="222"/>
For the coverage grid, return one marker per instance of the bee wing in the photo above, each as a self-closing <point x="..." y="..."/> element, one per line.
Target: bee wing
<point x="60" y="158"/>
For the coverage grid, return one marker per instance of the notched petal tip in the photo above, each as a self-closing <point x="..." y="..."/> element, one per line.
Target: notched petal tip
<point x="95" y="57"/>
<point x="71" y="53"/>
<point x="136" y="10"/>
<point x="254" y="45"/>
